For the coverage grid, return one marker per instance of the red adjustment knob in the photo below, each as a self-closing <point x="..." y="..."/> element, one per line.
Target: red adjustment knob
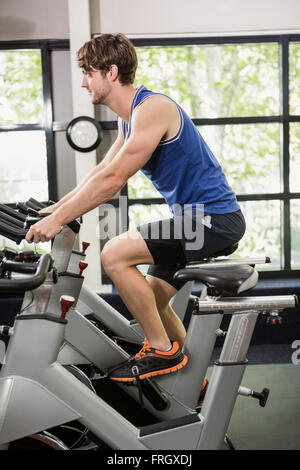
<point x="66" y="302"/>
<point x="274" y="320"/>
<point x="85" y="245"/>
<point x="82" y="266"/>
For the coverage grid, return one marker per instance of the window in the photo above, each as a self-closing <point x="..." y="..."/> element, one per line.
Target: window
<point x="27" y="150"/>
<point x="23" y="164"/>
<point x="243" y="94"/>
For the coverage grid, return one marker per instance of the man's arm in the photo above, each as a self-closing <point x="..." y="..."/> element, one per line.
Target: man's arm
<point x="107" y="159"/>
<point x="149" y="125"/>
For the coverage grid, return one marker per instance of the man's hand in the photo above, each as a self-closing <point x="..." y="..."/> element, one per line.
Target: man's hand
<point x="48" y="209"/>
<point x="44" y="230"/>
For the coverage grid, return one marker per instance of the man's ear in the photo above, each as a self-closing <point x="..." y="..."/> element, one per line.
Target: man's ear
<point x="113" y="72"/>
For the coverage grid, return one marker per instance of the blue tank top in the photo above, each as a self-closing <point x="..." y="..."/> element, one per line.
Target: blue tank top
<point x="183" y="168"/>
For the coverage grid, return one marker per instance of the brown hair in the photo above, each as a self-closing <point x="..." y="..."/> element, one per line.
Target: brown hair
<point x="107" y="49"/>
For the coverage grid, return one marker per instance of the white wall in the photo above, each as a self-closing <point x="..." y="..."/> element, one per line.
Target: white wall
<point x="62" y="112"/>
<point x="204" y="17"/>
<point x="49" y="19"/>
<point x="33" y="19"/>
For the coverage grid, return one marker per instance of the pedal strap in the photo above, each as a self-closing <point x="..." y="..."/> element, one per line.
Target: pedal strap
<point x="136" y="373"/>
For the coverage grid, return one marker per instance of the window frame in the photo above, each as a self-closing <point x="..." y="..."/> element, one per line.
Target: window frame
<point x="284" y="118"/>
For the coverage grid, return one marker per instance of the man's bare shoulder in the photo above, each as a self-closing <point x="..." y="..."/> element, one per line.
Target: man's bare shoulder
<point x="156" y="108"/>
<point x="157" y="101"/>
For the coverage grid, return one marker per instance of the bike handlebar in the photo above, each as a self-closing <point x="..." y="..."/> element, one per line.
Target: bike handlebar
<point x="74" y="225"/>
<point x="15" y="225"/>
<point x="17" y="266"/>
<point x="13" y="213"/>
<point x="19" y="285"/>
<point x="14" y="233"/>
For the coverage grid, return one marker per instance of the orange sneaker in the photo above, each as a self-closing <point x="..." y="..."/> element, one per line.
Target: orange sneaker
<point x="149" y="362"/>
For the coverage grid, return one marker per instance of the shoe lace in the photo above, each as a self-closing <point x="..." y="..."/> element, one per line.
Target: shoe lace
<point x="146" y="348"/>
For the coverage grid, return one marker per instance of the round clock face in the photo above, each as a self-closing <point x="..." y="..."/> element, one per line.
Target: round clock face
<point x="84" y="134"/>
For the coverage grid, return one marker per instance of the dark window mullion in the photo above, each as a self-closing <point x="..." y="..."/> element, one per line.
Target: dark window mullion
<point x="146" y="201"/>
<point x="260" y="197"/>
<point x="20" y="127"/>
<point x="236" y="120"/>
<point x="198" y="40"/>
<point x="285" y="151"/>
<point x="125" y="217"/>
<point x="48" y="119"/>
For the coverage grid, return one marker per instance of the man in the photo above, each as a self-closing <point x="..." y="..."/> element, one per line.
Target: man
<point x="155" y="136"/>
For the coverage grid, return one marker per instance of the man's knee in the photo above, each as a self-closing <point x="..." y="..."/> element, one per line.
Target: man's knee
<point x="118" y="253"/>
<point x="108" y="256"/>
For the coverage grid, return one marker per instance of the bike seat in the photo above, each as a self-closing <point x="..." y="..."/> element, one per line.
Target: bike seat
<point x="232" y="279"/>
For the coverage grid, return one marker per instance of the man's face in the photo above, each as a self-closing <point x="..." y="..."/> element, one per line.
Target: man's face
<point x="98" y="87"/>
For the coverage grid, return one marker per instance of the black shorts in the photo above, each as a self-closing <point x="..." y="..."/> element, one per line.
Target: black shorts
<point x="170" y="253"/>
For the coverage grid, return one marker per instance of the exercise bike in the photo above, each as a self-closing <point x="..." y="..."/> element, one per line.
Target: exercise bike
<point x="84" y="342"/>
<point x="39" y="378"/>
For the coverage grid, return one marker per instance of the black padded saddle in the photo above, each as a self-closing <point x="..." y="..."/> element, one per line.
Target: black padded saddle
<point x="233" y="279"/>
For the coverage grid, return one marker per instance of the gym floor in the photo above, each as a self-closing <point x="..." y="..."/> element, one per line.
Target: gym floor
<point x="277" y="425"/>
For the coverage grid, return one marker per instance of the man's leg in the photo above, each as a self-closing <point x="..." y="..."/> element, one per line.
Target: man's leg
<point x="174" y="327"/>
<point x="120" y="257"/>
<point x="163" y="292"/>
<point x="159" y="355"/>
